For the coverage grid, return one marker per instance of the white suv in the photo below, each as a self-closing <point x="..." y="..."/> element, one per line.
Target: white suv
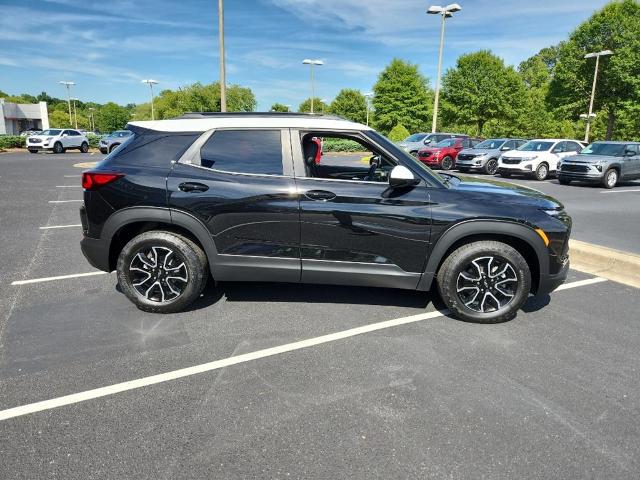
<point x="57" y="140"/>
<point x="537" y="158"/>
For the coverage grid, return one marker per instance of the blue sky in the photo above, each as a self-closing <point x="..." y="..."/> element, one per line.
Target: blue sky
<point x="107" y="47"/>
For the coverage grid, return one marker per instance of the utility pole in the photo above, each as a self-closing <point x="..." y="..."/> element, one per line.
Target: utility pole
<point x="75" y="112"/>
<point x="68" y="85"/>
<point x="591" y="115"/>
<point x="151" y="82"/>
<point x="223" y="81"/>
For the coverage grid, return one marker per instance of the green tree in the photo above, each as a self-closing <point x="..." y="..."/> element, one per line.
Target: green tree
<point x="112" y="117"/>
<point x="279" y="107"/>
<point x="350" y="104"/>
<point x="398" y="133"/>
<point x="402" y="96"/>
<point x="3" y="95"/>
<point x="481" y="88"/>
<point x="59" y="119"/>
<point x="615" y="27"/>
<point x="318" y="106"/>
<point x="202" y="98"/>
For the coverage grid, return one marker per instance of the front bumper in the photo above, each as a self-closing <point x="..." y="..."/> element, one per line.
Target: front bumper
<point x="594" y="177"/>
<point x="549" y="282"/>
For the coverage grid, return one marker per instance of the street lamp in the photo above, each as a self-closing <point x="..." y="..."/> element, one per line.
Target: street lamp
<point x="311" y="63"/>
<point x="68" y="85"/>
<point x="590" y="115"/>
<point x="367" y="97"/>
<point x="75" y="111"/>
<point x="151" y="82"/>
<point x="445" y="12"/>
<point x="223" y="82"/>
<point x="91" y="121"/>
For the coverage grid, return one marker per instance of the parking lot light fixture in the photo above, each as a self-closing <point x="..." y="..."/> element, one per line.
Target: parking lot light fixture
<point x="75" y="112"/>
<point x="444" y="12"/>
<point x="367" y="99"/>
<point x="311" y="63"/>
<point x="91" y="121"/>
<point x="68" y="85"/>
<point x="590" y="115"/>
<point x="151" y="82"/>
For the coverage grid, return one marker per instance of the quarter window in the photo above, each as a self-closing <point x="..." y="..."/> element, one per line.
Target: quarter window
<point x="244" y="151"/>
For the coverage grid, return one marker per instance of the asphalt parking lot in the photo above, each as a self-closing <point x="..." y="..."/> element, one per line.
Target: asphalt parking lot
<point x="306" y="381"/>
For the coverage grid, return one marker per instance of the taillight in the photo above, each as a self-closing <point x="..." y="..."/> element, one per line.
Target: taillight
<point x="94" y="180"/>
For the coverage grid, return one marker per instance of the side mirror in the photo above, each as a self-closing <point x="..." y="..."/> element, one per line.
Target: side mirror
<point x="64" y="135"/>
<point x="629" y="153"/>
<point x="401" y="177"/>
<point x="427" y="141"/>
<point x="505" y="149"/>
<point x="374" y="159"/>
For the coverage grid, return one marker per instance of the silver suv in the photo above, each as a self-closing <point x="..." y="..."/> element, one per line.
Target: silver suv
<point x="485" y="155"/>
<point x="111" y="141"/>
<point x="415" y="142"/>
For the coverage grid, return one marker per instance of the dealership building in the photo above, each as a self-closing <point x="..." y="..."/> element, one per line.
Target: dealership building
<point x="18" y="117"/>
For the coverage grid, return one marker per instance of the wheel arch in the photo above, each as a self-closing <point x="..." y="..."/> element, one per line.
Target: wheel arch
<point x="125" y="224"/>
<point x="521" y="237"/>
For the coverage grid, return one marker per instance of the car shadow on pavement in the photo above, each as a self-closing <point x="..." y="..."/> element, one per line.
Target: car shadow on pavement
<point x="536" y="303"/>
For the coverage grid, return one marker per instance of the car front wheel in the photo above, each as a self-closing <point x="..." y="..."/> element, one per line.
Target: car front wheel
<point x="491" y="167"/>
<point x="162" y="272"/>
<point x="447" y="163"/>
<point x="541" y="172"/>
<point x="610" y="178"/>
<point x="485" y="282"/>
<point x="57" y="148"/>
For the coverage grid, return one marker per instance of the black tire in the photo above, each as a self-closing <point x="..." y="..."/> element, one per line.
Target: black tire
<point x="564" y="181"/>
<point x="610" y="178"/>
<point x="113" y="147"/>
<point x="509" y="286"/>
<point x="542" y="172"/>
<point x="505" y="174"/>
<point x="33" y="151"/>
<point x="84" y="148"/>
<point x="160" y="297"/>
<point x="103" y="151"/>
<point x="463" y="170"/>
<point x="414" y="153"/>
<point x="447" y="163"/>
<point x="491" y="167"/>
<point x="57" y="148"/>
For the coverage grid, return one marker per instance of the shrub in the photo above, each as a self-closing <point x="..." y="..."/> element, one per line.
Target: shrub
<point x="398" y="133"/>
<point x="94" y="140"/>
<point x="341" y="145"/>
<point x="12" y="141"/>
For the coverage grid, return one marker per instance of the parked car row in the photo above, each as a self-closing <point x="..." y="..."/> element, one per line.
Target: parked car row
<point x="570" y="160"/>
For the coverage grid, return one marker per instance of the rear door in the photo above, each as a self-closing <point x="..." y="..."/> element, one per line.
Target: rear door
<point x="239" y="183"/>
<point x="631" y="162"/>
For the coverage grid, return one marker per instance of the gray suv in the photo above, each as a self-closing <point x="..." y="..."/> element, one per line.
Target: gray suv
<point x="484" y="156"/>
<point x="602" y="162"/>
<point x="415" y="142"/>
<point x="111" y="141"/>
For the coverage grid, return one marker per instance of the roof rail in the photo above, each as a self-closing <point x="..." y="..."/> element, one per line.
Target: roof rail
<point x="188" y="115"/>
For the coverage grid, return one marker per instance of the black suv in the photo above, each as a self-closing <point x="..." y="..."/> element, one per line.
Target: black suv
<point x="262" y="197"/>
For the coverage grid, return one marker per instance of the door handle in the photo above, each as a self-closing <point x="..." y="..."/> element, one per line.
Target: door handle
<point x="193" y="187"/>
<point x="320" y="195"/>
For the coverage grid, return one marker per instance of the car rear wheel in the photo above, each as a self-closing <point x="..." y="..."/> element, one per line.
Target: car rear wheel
<point x="485" y="282"/>
<point x="541" y="172"/>
<point x="447" y="163"/>
<point x="162" y="272"/>
<point x="113" y="147"/>
<point x="57" y="148"/>
<point x="491" y="167"/>
<point x="610" y="178"/>
<point x="84" y="148"/>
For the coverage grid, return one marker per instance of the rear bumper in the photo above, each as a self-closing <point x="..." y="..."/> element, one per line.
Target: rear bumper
<point x="549" y="282"/>
<point x="96" y="251"/>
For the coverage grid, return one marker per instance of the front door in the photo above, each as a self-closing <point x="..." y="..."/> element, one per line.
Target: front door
<point x="239" y="184"/>
<point x="355" y="229"/>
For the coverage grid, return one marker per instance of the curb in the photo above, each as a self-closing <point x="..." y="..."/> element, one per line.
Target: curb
<point x="616" y="265"/>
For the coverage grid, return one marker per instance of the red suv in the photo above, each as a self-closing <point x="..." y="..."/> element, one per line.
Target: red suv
<point x="443" y="154"/>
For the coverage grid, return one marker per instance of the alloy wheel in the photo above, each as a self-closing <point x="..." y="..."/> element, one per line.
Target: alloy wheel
<point x="492" y="167"/>
<point x="487" y="284"/>
<point x="612" y="178"/>
<point x="158" y="273"/>
<point x="541" y="172"/>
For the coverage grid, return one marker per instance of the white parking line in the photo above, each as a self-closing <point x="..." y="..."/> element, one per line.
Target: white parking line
<point x="620" y="191"/>
<point x="68" y="186"/>
<point x="52" y="279"/>
<point x="72" y="176"/>
<point x="60" y="226"/>
<point x="581" y="283"/>
<point x="226" y="362"/>
<point x="64" y="201"/>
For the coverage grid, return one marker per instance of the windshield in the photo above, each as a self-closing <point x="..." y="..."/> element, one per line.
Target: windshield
<point x="416" y="137"/>
<point x="51" y="132"/>
<point x="121" y="133"/>
<point x="449" y="142"/>
<point x="492" y="144"/>
<point x="534" y="146"/>
<point x="611" y="149"/>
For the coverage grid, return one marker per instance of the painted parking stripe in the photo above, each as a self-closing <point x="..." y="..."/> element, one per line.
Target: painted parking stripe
<point x="72" y="176"/>
<point x="581" y="283"/>
<point x="53" y="279"/>
<point x="225" y="362"/>
<point x="60" y="226"/>
<point x="64" y="201"/>
<point x="620" y="191"/>
<point x="68" y="186"/>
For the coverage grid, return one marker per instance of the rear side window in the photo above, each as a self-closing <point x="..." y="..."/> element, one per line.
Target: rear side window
<point x="151" y="149"/>
<point x="244" y="151"/>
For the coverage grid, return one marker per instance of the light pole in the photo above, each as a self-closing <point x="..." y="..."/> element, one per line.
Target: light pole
<point x="311" y="63"/>
<point x="223" y="82"/>
<point x="151" y="82"/>
<point x="91" y="122"/>
<point x="367" y="96"/>
<point x="68" y="85"/>
<point x="75" y="112"/>
<point x="445" y="12"/>
<point x="590" y="115"/>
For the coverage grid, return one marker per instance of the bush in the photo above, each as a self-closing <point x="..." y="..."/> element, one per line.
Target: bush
<point x="94" y="140"/>
<point x="341" y="145"/>
<point x="12" y="141"/>
<point x="398" y="133"/>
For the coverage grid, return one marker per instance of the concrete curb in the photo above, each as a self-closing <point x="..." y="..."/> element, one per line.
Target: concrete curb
<point x="616" y="265"/>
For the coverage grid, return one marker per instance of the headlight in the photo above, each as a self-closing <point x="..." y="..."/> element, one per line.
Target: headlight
<point x="599" y="167"/>
<point x="559" y="163"/>
<point x="554" y="212"/>
<point x="478" y="157"/>
<point x="48" y="138"/>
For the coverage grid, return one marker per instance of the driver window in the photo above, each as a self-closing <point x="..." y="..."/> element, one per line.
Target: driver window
<point x="338" y="157"/>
